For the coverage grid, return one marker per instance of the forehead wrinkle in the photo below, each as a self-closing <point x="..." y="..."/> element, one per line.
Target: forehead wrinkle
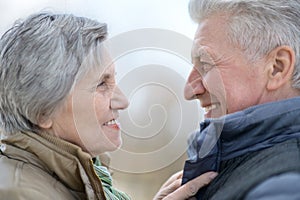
<point x="206" y="54"/>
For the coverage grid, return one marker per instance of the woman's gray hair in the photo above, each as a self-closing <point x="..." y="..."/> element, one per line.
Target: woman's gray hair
<point x="40" y="60"/>
<point x="256" y="26"/>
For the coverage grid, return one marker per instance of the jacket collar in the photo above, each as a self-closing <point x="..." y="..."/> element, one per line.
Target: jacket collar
<point x="58" y="157"/>
<point x="249" y="130"/>
<point x="236" y="134"/>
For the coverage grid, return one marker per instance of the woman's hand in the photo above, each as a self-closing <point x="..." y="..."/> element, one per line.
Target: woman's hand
<point x="173" y="190"/>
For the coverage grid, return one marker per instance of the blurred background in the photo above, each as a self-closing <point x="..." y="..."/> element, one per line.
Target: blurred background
<point x="150" y="43"/>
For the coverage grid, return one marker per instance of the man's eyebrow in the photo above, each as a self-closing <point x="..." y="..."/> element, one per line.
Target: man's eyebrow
<point x="200" y="53"/>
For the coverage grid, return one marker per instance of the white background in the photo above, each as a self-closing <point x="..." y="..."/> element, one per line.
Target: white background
<point x="120" y="15"/>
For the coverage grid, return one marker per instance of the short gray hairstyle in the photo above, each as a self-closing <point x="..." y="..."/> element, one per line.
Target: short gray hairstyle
<point x="40" y="60"/>
<point x="256" y="26"/>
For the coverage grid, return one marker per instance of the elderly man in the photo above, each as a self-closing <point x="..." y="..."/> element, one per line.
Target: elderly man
<point x="246" y="75"/>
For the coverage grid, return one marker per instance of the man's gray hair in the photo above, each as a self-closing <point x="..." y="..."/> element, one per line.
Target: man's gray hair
<point x="40" y="60"/>
<point x="256" y="26"/>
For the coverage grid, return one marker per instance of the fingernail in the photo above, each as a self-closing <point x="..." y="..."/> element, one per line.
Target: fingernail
<point x="213" y="175"/>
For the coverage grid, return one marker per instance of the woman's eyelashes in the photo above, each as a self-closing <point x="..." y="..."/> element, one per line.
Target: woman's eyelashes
<point x="106" y="84"/>
<point x="101" y="84"/>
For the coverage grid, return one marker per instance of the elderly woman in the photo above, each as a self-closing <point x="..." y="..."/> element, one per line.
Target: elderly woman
<point x="58" y="109"/>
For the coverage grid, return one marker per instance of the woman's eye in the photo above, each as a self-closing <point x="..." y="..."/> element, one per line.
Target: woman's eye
<point x="101" y="84"/>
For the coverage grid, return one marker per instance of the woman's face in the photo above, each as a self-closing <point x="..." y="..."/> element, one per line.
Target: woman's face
<point x="89" y="118"/>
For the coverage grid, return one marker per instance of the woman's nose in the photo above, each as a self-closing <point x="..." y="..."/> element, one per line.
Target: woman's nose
<point x="118" y="100"/>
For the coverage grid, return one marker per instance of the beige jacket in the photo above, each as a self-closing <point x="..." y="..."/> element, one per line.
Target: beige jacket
<point x="45" y="167"/>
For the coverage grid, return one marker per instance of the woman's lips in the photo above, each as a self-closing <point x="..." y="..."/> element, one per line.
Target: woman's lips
<point x="114" y="124"/>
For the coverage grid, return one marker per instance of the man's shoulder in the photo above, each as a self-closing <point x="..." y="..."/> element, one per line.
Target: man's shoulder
<point x="280" y="187"/>
<point x="242" y="174"/>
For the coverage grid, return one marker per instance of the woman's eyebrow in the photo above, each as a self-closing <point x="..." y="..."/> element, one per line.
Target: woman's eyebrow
<point x="104" y="76"/>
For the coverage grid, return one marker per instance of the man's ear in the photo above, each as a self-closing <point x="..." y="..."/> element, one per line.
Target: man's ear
<point x="281" y="65"/>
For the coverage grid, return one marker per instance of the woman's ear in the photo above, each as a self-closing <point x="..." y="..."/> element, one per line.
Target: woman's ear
<point x="281" y="65"/>
<point x="45" y="123"/>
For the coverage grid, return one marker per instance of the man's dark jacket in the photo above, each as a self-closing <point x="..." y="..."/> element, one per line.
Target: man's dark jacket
<point x="255" y="151"/>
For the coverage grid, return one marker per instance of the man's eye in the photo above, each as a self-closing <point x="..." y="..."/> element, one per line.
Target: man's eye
<point x="206" y="67"/>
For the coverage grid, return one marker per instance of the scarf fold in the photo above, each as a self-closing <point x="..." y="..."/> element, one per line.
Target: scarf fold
<point x="110" y="192"/>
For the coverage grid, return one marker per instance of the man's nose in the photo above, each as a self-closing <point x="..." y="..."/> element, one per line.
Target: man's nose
<point x="118" y="100"/>
<point x="194" y="85"/>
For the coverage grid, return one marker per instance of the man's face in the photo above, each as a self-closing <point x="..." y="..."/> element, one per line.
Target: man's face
<point x="222" y="78"/>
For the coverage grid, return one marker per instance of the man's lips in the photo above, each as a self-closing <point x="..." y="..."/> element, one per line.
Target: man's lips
<point x="210" y="107"/>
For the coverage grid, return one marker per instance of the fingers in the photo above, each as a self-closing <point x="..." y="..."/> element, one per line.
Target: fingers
<point x="190" y="188"/>
<point x="165" y="191"/>
<point x="173" y="178"/>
